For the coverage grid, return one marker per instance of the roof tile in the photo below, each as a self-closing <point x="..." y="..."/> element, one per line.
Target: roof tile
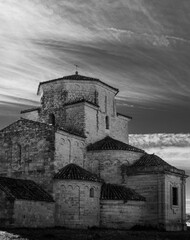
<point x="24" y="189"/>
<point x="151" y="163"/>
<point x="75" y="172"/>
<point x="119" y="192"/>
<point x="109" y="143"/>
<point x="78" y="77"/>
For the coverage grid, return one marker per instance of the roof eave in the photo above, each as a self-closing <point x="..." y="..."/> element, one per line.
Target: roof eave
<point x="92" y="80"/>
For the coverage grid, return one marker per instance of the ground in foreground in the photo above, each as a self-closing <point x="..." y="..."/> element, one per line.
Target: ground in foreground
<point x="91" y="234"/>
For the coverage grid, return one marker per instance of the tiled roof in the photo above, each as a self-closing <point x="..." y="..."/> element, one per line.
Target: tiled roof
<point x="151" y="163"/>
<point x="76" y="76"/>
<point x="24" y="189"/>
<point x="23" y="121"/>
<point x="119" y="192"/>
<point x="75" y="172"/>
<point x="109" y="143"/>
<point x="148" y="160"/>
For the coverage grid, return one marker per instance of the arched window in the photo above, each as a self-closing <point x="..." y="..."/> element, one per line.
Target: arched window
<point x="107" y="122"/>
<point x="52" y="119"/>
<point x="92" y="192"/>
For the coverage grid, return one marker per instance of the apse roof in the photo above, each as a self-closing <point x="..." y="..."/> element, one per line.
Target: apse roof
<point x="119" y="192"/>
<point x="24" y="190"/>
<point x="150" y="160"/>
<point x="75" y="172"/>
<point x="151" y="163"/>
<point x="109" y="143"/>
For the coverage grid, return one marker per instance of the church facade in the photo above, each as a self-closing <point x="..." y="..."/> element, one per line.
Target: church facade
<point x="68" y="163"/>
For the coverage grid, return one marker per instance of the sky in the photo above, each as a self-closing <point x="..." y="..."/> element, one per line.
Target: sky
<point x="141" y="47"/>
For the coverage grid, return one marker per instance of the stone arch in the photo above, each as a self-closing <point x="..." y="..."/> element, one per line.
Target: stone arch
<point x="86" y="188"/>
<point x="62" y="191"/>
<point x="70" y="187"/>
<point x="107" y="163"/>
<point x="62" y="141"/>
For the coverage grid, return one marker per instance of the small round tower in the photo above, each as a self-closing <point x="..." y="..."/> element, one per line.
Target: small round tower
<point x="77" y="197"/>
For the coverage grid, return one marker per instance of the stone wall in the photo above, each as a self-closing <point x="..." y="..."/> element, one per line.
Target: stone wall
<point x="74" y="206"/>
<point x="107" y="164"/>
<point x="82" y="117"/>
<point x="92" y="124"/>
<point x="57" y="93"/>
<point x="156" y="188"/>
<point x="27" y="151"/>
<point x="75" y="118"/>
<point x="6" y="210"/>
<point x="33" y="214"/>
<point x="95" y="123"/>
<point x="68" y="149"/>
<point x="119" y="128"/>
<point x="174" y="214"/>
<point x="151" y="186"/>
<point x="121" y="215"/>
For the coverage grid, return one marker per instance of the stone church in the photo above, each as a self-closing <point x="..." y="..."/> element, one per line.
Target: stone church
<point x="68" y="163"/>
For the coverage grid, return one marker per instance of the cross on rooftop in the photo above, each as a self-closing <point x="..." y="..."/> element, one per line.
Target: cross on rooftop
<point x="76" y="69"/>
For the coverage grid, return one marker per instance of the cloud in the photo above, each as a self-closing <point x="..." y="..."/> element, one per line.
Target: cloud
<point x="129" y="44"/>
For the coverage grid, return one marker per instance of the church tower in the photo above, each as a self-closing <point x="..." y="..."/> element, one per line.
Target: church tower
<point x="81" y="105"/>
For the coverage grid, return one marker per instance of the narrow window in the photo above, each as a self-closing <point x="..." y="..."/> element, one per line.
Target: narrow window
<point x="106" y="104"/>
<point x="18" y="153"/>
<point x="113" y="107"/>
<point x="52" y="119"/>
<point x="27" y="153"/>
<point x="174" y="196"/>
<point x="107" y="122"/>
<point x="92" y="192"/>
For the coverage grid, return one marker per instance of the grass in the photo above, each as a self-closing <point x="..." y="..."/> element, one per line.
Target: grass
<point x="90" y="234"/>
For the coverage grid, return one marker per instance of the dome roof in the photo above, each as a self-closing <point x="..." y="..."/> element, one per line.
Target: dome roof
<point x="75" y="172"/>
<point x="151" y="163"/>
<point x="149" y="160"/>
<point x="109" y="143"/>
